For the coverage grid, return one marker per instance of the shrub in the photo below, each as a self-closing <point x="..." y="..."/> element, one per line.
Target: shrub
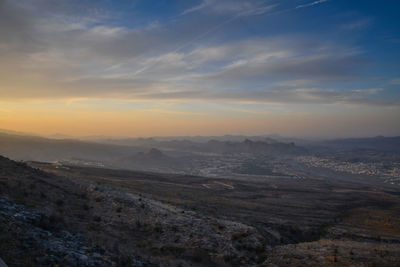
<point x="60" y="202"/>
<point x="177" y="251"/>
<point x="158" y="228"/>
<point x="200" y="255"/>
<point x="125" y="260"/>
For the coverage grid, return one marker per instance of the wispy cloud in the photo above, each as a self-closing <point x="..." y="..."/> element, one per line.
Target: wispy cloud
<point x="312" y="4"/>
<point x="200" y="6"/>
<point x="357" y="24"/>
<point x="395" y="81"/>
<point x="172" y="61"/>
<point x="233" y="7"/>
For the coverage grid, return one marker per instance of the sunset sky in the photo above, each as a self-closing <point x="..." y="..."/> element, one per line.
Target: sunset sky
<point x="326" y="68"/>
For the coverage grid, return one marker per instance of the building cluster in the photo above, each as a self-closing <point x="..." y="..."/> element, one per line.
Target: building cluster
<point x="388" y="171"/>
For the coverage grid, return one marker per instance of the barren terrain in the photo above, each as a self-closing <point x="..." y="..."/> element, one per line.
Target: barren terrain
<point x="150" y="218"/>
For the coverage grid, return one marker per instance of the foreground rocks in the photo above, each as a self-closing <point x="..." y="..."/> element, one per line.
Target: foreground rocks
<point x="29" y="238"/>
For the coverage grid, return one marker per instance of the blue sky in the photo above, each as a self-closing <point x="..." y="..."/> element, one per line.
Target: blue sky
<point x="217" y="57"/>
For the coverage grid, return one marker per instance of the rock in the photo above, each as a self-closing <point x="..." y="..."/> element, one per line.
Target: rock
<point x="83" y="258"/>
<point x="2" y="263"/>
<point x="96" y="255"/>
<point x="46" y="248"/>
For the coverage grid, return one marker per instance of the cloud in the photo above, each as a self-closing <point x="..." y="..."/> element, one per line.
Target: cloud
<point x="235" y="7"/>
<point x="395" y="81"/>
<point x="275" y="96"/>
<point x="85" y="57"/>
<point x="368" y="91"/>
<point x="358" y="24"/>
<point x="200" y="6"/>
<point x="312" y="4"/>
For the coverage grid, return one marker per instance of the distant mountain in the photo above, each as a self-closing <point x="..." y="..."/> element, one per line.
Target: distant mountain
<point x="143" y="154"/>
<point x="219" y="145"/>
<point x="35" y="148"/>
<point x="177" y="141"/>
<point x="60" y="136"/>
<point x="153" y="160"/>
<point x="296" y="140"/>
<point x="248" y="146"/>
<point x="5" y="131"/>
<point x="23" y="147"/>
<point x="379" y="143"/>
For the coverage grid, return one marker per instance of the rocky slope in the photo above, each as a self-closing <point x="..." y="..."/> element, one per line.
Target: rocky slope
<point x="73" y="216"/>
<point x="30" y="238"/>
<point x="73" y="222"/>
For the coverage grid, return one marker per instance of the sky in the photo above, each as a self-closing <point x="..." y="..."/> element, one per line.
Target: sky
<point x="304" y="68"/>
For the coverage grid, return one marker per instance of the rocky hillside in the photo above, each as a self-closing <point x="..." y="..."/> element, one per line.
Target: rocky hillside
<point x="33" y="237"/>
<point x="41" y="220"/>
<point x="48" y="219"/>
<point x="72" y="216"/>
